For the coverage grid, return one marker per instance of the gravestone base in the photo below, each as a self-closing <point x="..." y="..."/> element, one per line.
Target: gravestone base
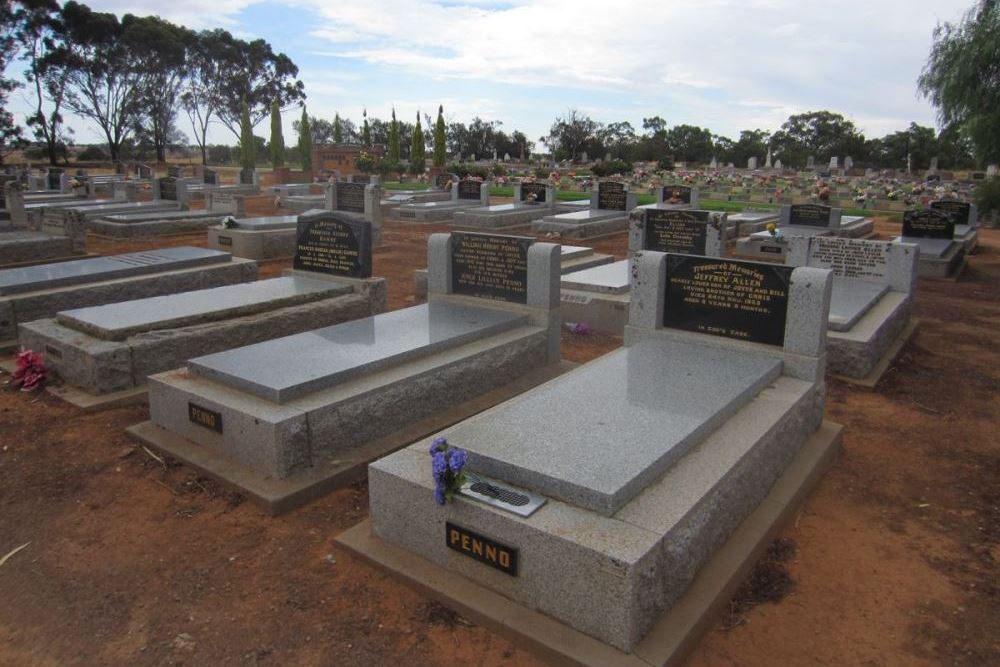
<point x="143" y="225"/>
<point x="24" y="246"/>
<point x="396" y="198"/>
<point x="676" y="631"/>
<point x="100" y="366"/>
<point x="252" y="243"/>
<point x="855" y="353"/>
<point x="853" y="228"/>
<point x="610" y="576"/>
<point x="279" y="495"/>
<point x="486" y="219"/>
<point x="598" y="297"/>
<point x="587" y="229"/>
<point x="433" y="211"/>
<point x="949" y="264"/>
<point x="755" y="247"/>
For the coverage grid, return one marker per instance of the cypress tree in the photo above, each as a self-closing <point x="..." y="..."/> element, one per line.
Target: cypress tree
<point x="393" y="139"/>
<point x="439" y="149"/>
<point x="305" y="141"/>
<point x="338" y="133"/>
<point x="366" y="133"/>
<point x="277" y="139"/>
<point x="417" y="150"/>
<point x="248" y="146"/>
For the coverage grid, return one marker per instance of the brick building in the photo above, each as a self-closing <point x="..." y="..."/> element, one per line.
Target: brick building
<point x="339" y="158"/>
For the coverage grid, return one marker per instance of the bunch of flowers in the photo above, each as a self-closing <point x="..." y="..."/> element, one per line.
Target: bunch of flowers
<point x="775" y="233"/>
<point x="447" y="463"/>
<point x="30" y="372"/>
<point x="229" y="222"/>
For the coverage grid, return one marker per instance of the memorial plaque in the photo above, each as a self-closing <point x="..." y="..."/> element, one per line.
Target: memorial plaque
<point x="334" y="244"/>
<point x="54" y="179"/>
<point x="676" y="194"/>
<point x="611" y="196"/>
<point x="929" y="224"/>
<point x="246" y="176"/>
<point x="145" y="172"/>
<point x="210" y="177"/>
<point x="350" y="197"/>
<point x="441" y="180"/>
<point x="225" y="240"/>
<point x="469" y="190"/>
<point x="681" y="232"/>
<point x="209" y="419"/>
<point x="959" y="210"/>
<point x="490" y="267"/>
<point x="481" y="548"/>
<point x="850" y="258"/>
<point x="731" y="298"/>
<point x="168" y="188"/>
<point x="809" y="215"/>
<point x="539" y="190"/>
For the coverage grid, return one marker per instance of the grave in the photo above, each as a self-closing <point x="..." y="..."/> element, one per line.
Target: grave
<point x="531" y="202"/>
<point x="803" y="220"/>
<point x="686" y="448"/>
<point x="105" y="353"/>
<point x="966" y="218"/>
<point x="175" y="188"/>
<point x="292" y="417"/>
<point x="267" y="237"/>
<point x="40" y="291"/>
<point x="610" y="203"/>
<point x="871" y="304"/>
<point x="749" y="221"/>
<point x="600" y="297"/>
<point x="24" y="241"/>
<point x="360" y="198"/>
<point x="156" y="223"/>
<point x="933" y="231"/>
<point x="675" y="196"/>
<point x="396" y="198"/>
<point x="467" y="194"/>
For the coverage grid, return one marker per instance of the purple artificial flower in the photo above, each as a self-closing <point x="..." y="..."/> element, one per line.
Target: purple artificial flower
<point x="439" y="493"/>
<point x="457" y="460"/>
<point x="438" y="444"/>
<point x="439" y="465"/>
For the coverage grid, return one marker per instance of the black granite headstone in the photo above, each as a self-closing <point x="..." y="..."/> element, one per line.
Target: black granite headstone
<point x="210" y="177"/>
<point x="54" y="178"/>
<point x="611" y="196"/>
<point x="335" y="243"/>
<point x="168" y="188"/>
<point x="677" y="231"/>
<point x="676" y="194"/>
<point x="731" y="298"/>
<point x="539" y="190"/>
<point x="929" y="224"/>
<point x="469" y="190"/>
<point x="350" y="197"/>
<point x="959" y="210"/>
<point x="809" y="215"/>
<point x="490" y="266"/>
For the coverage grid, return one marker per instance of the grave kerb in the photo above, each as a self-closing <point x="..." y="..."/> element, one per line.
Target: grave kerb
<point x="833" y="222"/>
<point x="484" y="192"/>
<point x="550" y="195"/>
<point x="896" y="268"/>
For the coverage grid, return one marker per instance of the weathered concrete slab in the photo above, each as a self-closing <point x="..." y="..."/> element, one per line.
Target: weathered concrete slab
<point x="606" y="279"/>
<point x="851" y="299"/>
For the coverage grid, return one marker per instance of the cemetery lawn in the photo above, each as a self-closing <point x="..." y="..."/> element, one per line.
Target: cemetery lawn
<point x="893" y="560"/>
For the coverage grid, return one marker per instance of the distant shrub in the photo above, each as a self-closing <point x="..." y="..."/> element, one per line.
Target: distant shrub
<point x="987" y="197"/>
<point x="611" y="168"/>
<point x="92" y="154"/>
<point x="219" y="154"/>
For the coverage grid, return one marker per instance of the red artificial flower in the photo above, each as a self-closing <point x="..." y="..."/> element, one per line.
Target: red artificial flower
<point x="30" y="372"/>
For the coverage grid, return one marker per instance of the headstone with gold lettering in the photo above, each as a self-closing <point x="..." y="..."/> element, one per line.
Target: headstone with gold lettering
<point x="684" y="231"/>
<point x="362" y="198"/>
<point x="334" y="243"/>
<point x="677" y="195"/>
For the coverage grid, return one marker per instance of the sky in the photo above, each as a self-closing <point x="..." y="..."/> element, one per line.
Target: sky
<point x="727" y="65"/>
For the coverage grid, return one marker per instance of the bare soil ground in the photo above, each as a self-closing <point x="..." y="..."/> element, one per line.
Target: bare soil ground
<point x="133" y="560"/>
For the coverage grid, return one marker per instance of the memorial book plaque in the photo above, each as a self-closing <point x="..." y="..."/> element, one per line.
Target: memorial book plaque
<point x="731" y="298"/>
<point x="611" y="196"/>
<point x="168" y="188"/>
<point x="928" y="224"/>
<point x="469" y="189"/>
<point x="959" y="210"/>
<point x="539" y="190"/>
<point x="676" y="194"/>
<point x="850" y="258"/>
<point x="481" y="548"/>
<point x="350" y="197"/>
<point x="333" y="244"/>
<point x="490" y="267"/>
<point x="809" y="215"/>
<point x="682" y="232"/>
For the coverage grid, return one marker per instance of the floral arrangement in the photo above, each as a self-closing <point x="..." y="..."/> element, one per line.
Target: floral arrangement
<point x="30" y="372"/>
<point x="229" y="222"/>
<point x="447" y="465"/>
<point x="775" y="233"/>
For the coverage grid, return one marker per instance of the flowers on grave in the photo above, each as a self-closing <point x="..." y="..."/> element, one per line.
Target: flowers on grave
<point x="578" y="328"/>
<point x="775" y="233"/>
<point x="30" y="371"/>
<point x="447" y="467"/>
<point x="229" y="222"/>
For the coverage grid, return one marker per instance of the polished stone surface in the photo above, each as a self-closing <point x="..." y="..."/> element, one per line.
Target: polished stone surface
<point x="60" y="274"/>
<point x="287" y="368"/>
<point x="753" y="216"/>
<point x="793" y="230"/>
<point x="598" y="436"/>
<point x="851" y="299"/>
<point x="607" y="279"/>
<point x="268" y="222"/>
<point x="589" y="215"/>
<point x="118" y="321"/>
<point x="574" y="251"/>
<point x="933" y="248"/>
<point x="153" y="216"/>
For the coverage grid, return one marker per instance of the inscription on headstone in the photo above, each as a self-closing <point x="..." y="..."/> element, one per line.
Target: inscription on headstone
<point x="54" y="178"/>
<point x="209" y="419"/>
<point x="332" y="244"/>
<point x="676" y="231"/>
<point x="959" y="210"/>
<point x="735" y="299"/>
<point x="490" y="267"/>
<point x="481" y="548"/>
<point x="809" y="215"/>
<point x="850" y="258"/>
<point x="928" y="224"/>
<point x="611" y="196"/>
<point x="539" y="190"/>
<point x="469" y="189"/>
<point x="210" y="177"/>
<point x="168" y="188"/>
<point x="676" y="194"/>
<point x="350" y="197"/>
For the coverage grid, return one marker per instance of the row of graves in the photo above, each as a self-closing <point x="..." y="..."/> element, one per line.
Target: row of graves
<point x="804" y="220"/>
<point x="465" y="194"/>
<point x="272" y="237"/>
<point x="440" y="191"/>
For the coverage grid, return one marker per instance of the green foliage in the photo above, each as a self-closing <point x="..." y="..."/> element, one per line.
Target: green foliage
<point x="277" y="137"/>
<point x="665" y="164"/>
<point x="305" y="141"/>
<point x="987" y="196"/>
<point x="388" y="168"/>
<point x="418" y="160"/>
<point x="499" y="170"/>
<point x="248" y="146"/>
<point x="394" y="139"/>
<point x="220" y="154"/>
<point x="439" y="139"/>
<point x="463" y="170"/>
<point x="962" y="76"/>
<point x="92" y="154"/>
<point x="542" y="172"/>
<point x="366" y="133"/>
<point x="338" y="130"/>
<point x="611" y="168"/>
<point x="821" y="134"/>
<point x="366" y="163"/>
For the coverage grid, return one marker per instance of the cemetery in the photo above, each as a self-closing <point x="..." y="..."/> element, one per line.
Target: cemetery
<point x="407" y="339"/>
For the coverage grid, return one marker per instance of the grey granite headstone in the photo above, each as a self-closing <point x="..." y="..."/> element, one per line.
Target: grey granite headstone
<point x="335" y="243"/>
